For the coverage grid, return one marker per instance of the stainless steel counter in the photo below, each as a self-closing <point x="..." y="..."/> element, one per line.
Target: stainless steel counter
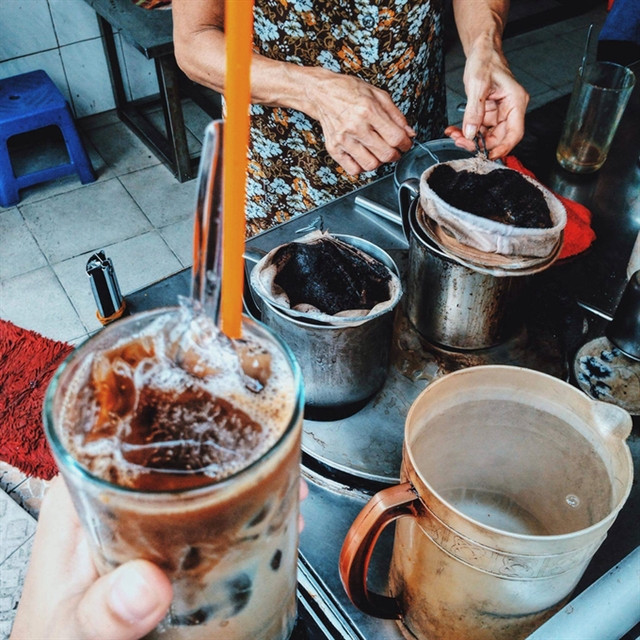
<point x="347" y="459"/>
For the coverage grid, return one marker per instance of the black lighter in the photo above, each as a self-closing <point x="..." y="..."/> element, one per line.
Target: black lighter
<point x="106" y="290"/>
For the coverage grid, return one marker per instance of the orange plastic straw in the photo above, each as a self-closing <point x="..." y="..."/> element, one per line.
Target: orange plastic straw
<point x="239" y="47"/>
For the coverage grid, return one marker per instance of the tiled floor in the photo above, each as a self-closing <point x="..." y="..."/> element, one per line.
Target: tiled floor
<point x="142" y="217"/>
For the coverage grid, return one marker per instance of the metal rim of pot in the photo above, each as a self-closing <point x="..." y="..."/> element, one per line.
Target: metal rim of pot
<point x="300" y="318"/>
<point x="409" y="197"/>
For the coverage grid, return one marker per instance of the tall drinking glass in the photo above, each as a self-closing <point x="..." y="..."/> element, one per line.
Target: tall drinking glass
<point x="182" y="447"/>
<point x="600" y="94"/>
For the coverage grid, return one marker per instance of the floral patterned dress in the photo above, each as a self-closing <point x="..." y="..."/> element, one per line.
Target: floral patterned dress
<point x="395" y="45"/>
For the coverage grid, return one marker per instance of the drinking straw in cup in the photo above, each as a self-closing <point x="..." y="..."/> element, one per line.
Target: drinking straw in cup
<point x="239" y="49"/>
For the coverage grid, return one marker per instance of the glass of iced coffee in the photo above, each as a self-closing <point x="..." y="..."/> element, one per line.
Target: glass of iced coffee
<point x="182" y="447"/>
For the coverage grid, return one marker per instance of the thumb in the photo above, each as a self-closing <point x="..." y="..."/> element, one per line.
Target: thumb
<point x="473" y="116"/>
<point x="477" y="87"/>
<point x="126" y="604"/>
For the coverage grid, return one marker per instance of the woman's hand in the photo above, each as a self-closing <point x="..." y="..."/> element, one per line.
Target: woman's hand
<point x="65" y="598"/>
<point x="363" y="128"/>
<point x="496" y="103"/>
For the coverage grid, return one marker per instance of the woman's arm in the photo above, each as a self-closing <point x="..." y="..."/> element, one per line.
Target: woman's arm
<point x="496" y="103"/>
<point x="362" y="126"/>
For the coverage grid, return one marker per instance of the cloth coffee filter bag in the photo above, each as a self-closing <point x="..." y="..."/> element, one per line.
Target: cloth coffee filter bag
<point x="336" y="268"/>
<point x="487" y="235"/>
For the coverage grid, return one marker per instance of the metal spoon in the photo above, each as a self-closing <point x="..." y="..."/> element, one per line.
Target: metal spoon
<point x="207" y="232"/>
<point x="481" y="145"/>
<point x="586" y="50"/>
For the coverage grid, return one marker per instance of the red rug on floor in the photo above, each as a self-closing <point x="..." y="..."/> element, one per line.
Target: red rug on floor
<point x="27" y="363"/>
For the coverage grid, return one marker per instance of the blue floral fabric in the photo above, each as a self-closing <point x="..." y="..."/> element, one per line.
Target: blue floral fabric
<point x="395" y="45"/>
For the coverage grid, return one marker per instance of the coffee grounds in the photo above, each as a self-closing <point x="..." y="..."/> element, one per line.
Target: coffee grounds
<point x="501" y="195"/>
<point x="331" y="276"/>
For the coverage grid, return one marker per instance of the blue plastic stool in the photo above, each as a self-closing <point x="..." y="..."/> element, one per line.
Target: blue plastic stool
<point x="27" y="102"/>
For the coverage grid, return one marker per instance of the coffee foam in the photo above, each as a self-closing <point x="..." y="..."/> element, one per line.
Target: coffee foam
<point x="188" y="356"/>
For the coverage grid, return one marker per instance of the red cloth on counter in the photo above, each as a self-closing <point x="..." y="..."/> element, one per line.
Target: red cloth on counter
<point x="578" y="234"/>
<point x="27" y="364"/>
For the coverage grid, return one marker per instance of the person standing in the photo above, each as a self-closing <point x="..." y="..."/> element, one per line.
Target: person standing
<point x="340" y="90"/>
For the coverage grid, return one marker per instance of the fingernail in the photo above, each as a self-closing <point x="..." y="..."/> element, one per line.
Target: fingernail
<point x="410" y="132"/>
<point x="470" y="131"/>
<point x="132" y="598"/>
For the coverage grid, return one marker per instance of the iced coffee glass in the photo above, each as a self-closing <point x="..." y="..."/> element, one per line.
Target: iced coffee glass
<point x="183" y="447"/>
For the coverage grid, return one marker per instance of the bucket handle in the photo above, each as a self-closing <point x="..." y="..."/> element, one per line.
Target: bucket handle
<point x="408" y="191"/>
<point x="384" y="507"/>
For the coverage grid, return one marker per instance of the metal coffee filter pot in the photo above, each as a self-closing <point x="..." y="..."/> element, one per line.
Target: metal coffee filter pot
<point x="448" y="302"/>
<point x="342" y="364"/>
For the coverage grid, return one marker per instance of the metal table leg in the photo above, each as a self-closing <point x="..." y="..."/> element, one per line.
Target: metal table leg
<point x="115" y="73"/>
<point x="171" y="148"/>
<point x="168" y="81"/>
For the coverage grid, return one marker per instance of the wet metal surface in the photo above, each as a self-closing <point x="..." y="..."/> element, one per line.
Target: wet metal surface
<point x="348" y="459"/>
<point x="368" y="443"/>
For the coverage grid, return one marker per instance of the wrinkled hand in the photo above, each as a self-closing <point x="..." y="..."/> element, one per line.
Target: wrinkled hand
<point x="362" y="126"/>
<point x="496" y="104"/>
<point x="63" y="596"/>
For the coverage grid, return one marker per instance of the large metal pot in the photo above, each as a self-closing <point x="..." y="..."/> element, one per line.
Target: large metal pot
<point x="342" y="364"/>
<point x="505" y="497"/>
<point x="449" y="303"/>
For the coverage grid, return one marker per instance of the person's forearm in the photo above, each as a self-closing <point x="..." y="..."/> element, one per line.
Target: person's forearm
<point x="362" y="127"/>
<point x="480" y="23"/>
<point x="199" y="44"/>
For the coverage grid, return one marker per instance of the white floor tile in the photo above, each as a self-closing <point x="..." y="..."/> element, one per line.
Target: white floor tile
<point x="10" y="477"/>
<point x="99" y="119"/>
<point x="163" y="199"/>
<point x="454" y="117"/>
<point x="87" y="72"/>
<point x="16" y="526"/>
<point x="31" y="28"/>
<point x="74" y="20"/>
<point x="555" y="66"/>
<point x="12" y="574"/>
<point x="157" y="118"/>
<point x="140" y="79"/>
<point x="37" y="301"/>
<point x="195" y="119"/>
<point x="29" y="495"/>
<point x="142" y="261"/>
<point x="84" y="220"/>
<point x="19" y="252"/>
<point x="533" y="85"/>
<point x="121" y="148"/>
<point x="179" y="236"/>
<point x="523" y="40"/>
<point x="137" y="262"/>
